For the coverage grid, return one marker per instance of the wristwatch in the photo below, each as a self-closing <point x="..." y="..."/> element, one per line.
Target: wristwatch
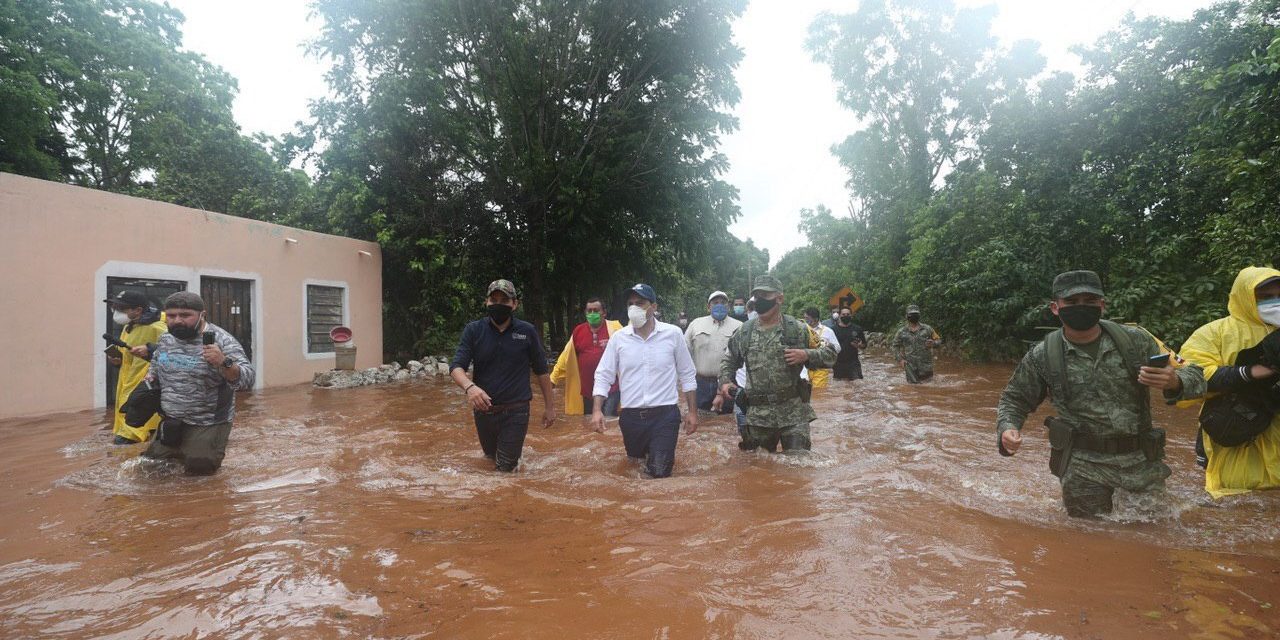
<point x="227" y="363"/>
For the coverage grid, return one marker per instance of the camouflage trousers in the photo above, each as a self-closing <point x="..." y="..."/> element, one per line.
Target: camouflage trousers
<point x="1089" y="486"/>
<point x="918" y="372"/>
<point x="793" y="438"/>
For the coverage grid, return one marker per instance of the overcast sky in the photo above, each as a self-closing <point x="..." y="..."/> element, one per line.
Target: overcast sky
<point x="780" y="156"/>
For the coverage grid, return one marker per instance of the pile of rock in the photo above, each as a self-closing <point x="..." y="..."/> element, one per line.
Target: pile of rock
<point x="393" y="372"/>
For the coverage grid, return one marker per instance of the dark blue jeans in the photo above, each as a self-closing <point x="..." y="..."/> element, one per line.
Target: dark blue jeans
<point x="502" y="435"/>
<point x="651" y="433"/>
<point x="707" y="390"/>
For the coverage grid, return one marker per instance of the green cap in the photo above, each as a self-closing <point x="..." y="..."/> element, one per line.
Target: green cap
<point x="504" y="286"/>
<point x="767" y="282"/>
<point x="1072" y="283"/>
<point x="911" y="308"/>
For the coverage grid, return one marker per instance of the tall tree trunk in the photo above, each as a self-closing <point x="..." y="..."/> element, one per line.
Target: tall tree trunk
<point x="535" y="295"/>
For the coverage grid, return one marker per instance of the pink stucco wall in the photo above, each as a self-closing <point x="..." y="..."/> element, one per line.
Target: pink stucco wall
<point x="59" y="244"/>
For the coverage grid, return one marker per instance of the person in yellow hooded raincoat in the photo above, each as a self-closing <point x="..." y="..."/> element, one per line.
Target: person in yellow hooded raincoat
<point x="1254" y="308"/>
<point x="578" y="360"/>
<point x="143" y="325"/>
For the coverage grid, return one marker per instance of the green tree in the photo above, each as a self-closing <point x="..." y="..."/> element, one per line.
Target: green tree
<point x="922" y="78"/>
<point x="1158" y="169"/>
<point x="569" y="146"/>
<point x="99" y="93"/>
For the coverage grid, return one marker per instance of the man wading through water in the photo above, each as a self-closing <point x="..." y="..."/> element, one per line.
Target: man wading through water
<point x="851" y="339"/>
<point x="503" y="350"/>
<point x="199" y="367"/>
<point x="774" y="348"/>
<point x="912" y="347"/>
<point x="651" y="362"/>
<point x="1097" y="374"/>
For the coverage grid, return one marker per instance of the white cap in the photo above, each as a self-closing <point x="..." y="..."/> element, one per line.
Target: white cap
<point x="717" y="294"/>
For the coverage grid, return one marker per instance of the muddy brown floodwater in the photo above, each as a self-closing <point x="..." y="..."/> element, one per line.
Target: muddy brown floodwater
<point x="370" y="513"/>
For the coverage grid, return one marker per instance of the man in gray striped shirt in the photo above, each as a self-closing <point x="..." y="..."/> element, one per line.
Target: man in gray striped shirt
<point x="198" y="379"/>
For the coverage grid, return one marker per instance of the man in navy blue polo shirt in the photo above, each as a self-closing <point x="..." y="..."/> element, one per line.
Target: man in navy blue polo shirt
<point x="652" y="365"/>
<point x="503" y="350"/>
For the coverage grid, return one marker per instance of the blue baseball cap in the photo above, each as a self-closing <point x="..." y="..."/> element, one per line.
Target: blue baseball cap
<point x="645" y="291"/>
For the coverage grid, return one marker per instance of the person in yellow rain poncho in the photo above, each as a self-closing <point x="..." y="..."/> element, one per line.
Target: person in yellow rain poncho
<point x="143" y="325"/>
<point x="820" y="376"/>
<point x="579" y="358"/>
<point x="1254" y="308"/>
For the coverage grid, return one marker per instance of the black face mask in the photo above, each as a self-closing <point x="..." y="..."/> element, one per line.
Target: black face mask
<point x="1080" y="317"/>
<point x="499" y="313"/>
<point x="846" y="319"/>
<point x="915" y="317"/>
<point x="765" y="305"/>
<point x="182" y="331"/>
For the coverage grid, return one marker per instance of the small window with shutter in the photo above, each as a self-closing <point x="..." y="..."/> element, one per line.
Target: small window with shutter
<point x="324" y="312"/>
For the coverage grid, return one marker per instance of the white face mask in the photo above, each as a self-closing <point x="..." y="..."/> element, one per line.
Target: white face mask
<point x="120" y="317"/>
<point x="1270" y="311"/>
<point x="752" y="315"/>
<point x="637" y="316"/>
<point x="835" y="315"/>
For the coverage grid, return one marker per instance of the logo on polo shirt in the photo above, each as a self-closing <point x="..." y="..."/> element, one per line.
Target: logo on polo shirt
<point x="519" y="336"/>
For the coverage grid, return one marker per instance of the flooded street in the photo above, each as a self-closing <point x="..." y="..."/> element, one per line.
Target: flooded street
<point x="370" y="512"/>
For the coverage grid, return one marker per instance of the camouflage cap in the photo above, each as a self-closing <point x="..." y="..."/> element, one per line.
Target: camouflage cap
<point x="767" y="282"/>
<point x="1072" y="283"/>
<point x="504" y="286"/>
<point x="911" y="308"/>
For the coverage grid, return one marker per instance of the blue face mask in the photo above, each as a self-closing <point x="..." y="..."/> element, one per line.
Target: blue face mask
<point x="738" y="309"/>
<point x="719" y="311"/>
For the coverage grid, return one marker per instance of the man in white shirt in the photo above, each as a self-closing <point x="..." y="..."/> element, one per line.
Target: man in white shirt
<point x="708" y="339"/>
<point x="652" y="365"/>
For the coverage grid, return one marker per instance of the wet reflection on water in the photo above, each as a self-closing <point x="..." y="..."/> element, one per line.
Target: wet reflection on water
<point x="371" y="513"/>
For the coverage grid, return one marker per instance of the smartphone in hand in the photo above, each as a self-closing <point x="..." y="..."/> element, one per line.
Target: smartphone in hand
<point x="1158" y="362"/>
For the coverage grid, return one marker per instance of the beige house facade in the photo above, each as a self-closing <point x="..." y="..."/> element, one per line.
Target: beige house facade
<point x="64" y="249"/>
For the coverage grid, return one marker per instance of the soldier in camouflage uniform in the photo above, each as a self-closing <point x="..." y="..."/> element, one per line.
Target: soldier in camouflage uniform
<point x="775" y="348"/>
<point x="1102" y="438"/>
<point x="912" y="346"/>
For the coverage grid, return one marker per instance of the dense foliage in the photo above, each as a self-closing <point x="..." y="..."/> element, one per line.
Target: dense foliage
<point x="572" y="147"/>
<point x="569" y="146"/>
<point x="99" y="93"/>
<point x="973" y="186"/>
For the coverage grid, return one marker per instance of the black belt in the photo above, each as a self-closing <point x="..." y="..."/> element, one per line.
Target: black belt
<point x="643" y="413"/>
<point x="1112" y="444"/>
<point x="505" y="408"/>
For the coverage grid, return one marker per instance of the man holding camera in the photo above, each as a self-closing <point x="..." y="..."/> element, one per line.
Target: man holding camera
<point x="199" y="367"/>
<point x="774" y="347"/>
<point x="1097" y="374"/>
